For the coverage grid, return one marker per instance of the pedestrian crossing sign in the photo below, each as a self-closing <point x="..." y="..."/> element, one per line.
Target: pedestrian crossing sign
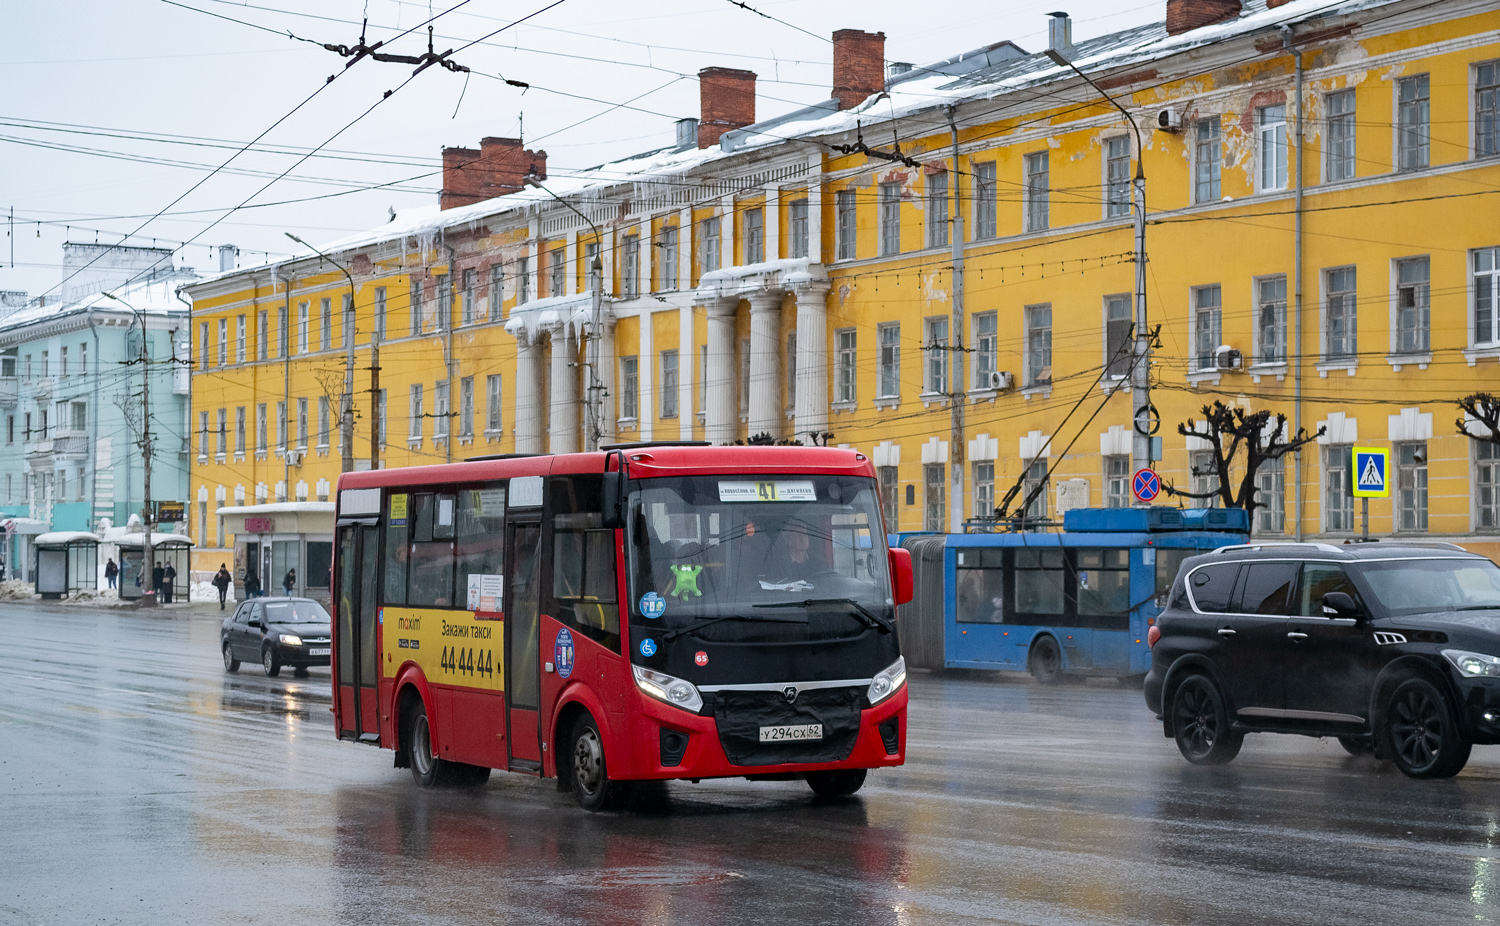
<point x="1371" y="471"/>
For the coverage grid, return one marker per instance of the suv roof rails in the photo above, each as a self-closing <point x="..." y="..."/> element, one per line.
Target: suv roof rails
<point x="1431" y="544"/>
<point x="1316" y="545"/>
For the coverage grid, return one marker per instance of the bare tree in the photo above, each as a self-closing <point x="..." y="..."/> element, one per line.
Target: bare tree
<point x="1231" y="432"/>
<point x="1481" y="419"/>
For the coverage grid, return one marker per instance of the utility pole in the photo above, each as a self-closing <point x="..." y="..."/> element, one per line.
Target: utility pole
<point x="956" y="386"/>
<point x="1143" y="415"/>
<point x="346" y="402"/>
<point x="148" y="516"/>
<point x="375" y="434"/>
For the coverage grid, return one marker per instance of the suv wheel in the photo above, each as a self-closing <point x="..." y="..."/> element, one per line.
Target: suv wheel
<point x="1200" y="723"/>
<point x="1421" y="733"/>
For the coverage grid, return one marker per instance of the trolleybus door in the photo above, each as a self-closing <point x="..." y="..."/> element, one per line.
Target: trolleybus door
<point x="358" y="658"/>
<point x="522" y="624"/>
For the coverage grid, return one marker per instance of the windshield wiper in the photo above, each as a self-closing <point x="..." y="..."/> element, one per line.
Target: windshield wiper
<point x="870" y="617"/>
<point x="671" y="635"/>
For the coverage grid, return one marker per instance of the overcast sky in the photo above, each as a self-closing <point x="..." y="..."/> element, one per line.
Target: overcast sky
<point x="115" y="108"/>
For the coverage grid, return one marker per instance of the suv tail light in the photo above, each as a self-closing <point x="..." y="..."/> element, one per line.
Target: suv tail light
<point x="1152" y="635"/>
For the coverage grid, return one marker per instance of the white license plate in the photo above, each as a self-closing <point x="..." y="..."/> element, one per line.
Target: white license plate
<point x="318" y="652"/>
<point x="785" y="734"/>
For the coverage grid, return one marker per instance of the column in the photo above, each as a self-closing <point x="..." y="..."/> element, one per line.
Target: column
<point x="687" y="369"/>
<point x="646" y="377"/>
<point x="721" y="414"/>
<point x="606" y="371"/>
<point x="765" y="363"/>
<point x="563" y="433"/>
<point x="814" y="213"/>
<point x="811" y="413"/>
<point x="528" y="394"/>
<point x="570" y="262"/>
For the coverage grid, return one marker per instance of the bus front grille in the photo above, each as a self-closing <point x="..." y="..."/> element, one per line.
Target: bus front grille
<point x="740" y="715"/>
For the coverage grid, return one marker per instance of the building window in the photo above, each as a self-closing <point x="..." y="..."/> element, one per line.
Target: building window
<point x="414" y="417"/>
<point x="1341" y="315"/>
<point x="1208" y="160"/>
<point x="202" y="435"/>
<point x="1203" y="479"/>
<point x="888" y="374"/>
<point x="984" y="489"/>
<point x="986" y="349"/>
<point x="890" y="217"/>
<point x="1037" y="174"/>
<point x="466" y="407"/>
<point x="984" y="201"/>
<point x="935" y="499"/>
<point x="1486" y="485"/>
<point x="1117" y="325"/>
<point x="1487" y="110"/>
<point x="1116" y="176"/>
<point x="935" y="343"/>
<point x="492" y="426"/>
<point x="1270" y="320"/>
<point x="1413" y="309"/>
<point x="1035" y="481"/>
<point x="239" y="429"/>
<point x="845" y="227"/>
<point x="469" y="309"/>
<point x="414" y="306"/>
<point x="844" y="341"/>
<point x="1411" y="486"/>
<point x="1413" y="115"/>
<point x="1338" y="145"/>
<point x="1487" y="297"/>
<point x="281" y="426"/>
<point x="523" y="280"/>
<point x="325" y="417"/>
<point x="1117" y="481"/>
<point x="1338" y="503"/>
<point x="629" y="388"/>
<point x="755" y="235"/>
<point x="557" y="269"/>
<point x="797" y="222"/>
<point x="630" y="267"/>
<point x="669" y="258"/>
<point x="283" y="332"/>
<point x="711" y="254"/>
<point x="83" y="359"/>
<point x="380" y="306"/>
<point x="591" y="263"/>
<point x="221" y="444"/>
<point x="497" y="291"/>
<point x="325" y="339"/>
<point x="262" y="335"/>
<point x="937" y="210"/>
<point x="260" y="427"/>
<point x="889" y="478"/>
<point x="440" y="411"/>
<point x="1270" y="122"/>
<point x="222" y="355"/>
<point x="1270" y="484"/>
<point x="1206" y="330"/>
<point x="442" y="310"/>
<point x="302" y="424"/>
<point x="1038" y="345"/>
<point x="669" y="384"/>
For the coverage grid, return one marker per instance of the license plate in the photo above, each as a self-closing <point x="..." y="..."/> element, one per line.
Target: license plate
<point x="318" y="652"/>
<point x="790" y="733"/>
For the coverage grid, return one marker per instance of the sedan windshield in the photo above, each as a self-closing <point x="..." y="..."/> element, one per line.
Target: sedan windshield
<point x="726" y="547"/>
<point x="1414" y="586"/>
<point x="295" y="612"/>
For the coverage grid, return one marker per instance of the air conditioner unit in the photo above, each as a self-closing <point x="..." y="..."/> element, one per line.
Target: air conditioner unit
<point x="1228" y="358"/>
<point x="293" y="458"/>
<point x="1169" y="120"/>
<point x="1000" y="379"/>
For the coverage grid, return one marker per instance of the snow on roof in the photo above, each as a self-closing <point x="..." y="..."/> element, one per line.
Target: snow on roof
<point x="156" y="296"/>
<point x="278" y="508"/>
<point x="61" y="538"/>
<point x="138" y="539"/>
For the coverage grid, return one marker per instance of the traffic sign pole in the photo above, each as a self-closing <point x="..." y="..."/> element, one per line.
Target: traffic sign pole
<point x="1364" y="517"/>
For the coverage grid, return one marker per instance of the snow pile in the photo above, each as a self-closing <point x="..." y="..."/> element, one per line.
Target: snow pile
<point x="16" y="590"/>
<point x="206" y="591"/>
<point x="96" y="598"/>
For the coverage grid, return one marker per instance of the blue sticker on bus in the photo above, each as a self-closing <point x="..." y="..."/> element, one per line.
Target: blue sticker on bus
<point x="653" y="605"/>
<point x="562" y="653"/>
<point x="648" y="647"/>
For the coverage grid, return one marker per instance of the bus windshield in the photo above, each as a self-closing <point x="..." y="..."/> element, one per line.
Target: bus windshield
<point x="772" y="557"/>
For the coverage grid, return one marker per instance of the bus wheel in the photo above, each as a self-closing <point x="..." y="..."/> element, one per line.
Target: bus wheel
<point x="1045" y="662"/>
<point x="428" y="770"/>
<point x="837" y="783"/>
<point x="588" y="774"/>
<point x="269" y="662"/>
<point x="231" y="664"/>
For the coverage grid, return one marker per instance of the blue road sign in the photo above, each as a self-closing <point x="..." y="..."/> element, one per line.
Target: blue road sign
<point x="1146" y="485"/>
<point x="1371" y="467"/>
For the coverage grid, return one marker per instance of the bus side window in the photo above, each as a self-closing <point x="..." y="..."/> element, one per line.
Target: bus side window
<point x="481" y="533"/>
<point x="583" y="560"/>
<point x="431" y="580"/>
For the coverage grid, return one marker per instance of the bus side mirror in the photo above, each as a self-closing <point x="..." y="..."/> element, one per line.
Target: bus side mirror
<point x="901" y="573"/>
<point x="611" y="515"/>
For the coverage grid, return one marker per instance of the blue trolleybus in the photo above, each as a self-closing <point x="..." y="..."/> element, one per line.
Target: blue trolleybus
<point x="1077" y="602"/>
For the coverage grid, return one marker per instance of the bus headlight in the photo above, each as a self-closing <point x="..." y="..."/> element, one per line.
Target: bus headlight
<point x="888" y="681"/>
<point x="668" y="688"/>
<point x="291" y="639"/>
<point x="1474" y="665"/>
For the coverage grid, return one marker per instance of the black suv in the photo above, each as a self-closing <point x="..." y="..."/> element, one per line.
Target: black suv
<point x="1393" y="649"/>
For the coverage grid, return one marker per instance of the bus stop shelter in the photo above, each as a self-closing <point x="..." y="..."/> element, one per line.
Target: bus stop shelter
<point x="66" y="562"/>
<point x="166" y="548"/>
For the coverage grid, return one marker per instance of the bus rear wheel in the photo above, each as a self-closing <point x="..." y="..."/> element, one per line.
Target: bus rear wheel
<point x="428" y="770"/>
<point x="1045" y="662"/>
<point x="588" y="774"/>
<point x="840" y="782"/>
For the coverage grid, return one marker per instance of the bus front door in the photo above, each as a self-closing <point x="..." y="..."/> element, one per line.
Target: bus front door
<point x="522" y="623"/>
<point x="357" y="660"/>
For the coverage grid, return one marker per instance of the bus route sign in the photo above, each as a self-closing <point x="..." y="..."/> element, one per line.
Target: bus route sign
<point x="1145" y="485"/>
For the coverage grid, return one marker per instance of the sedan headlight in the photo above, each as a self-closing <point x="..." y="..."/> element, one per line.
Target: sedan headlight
<point x="291" y="639"/>
<point x="888" y="681"/>
<point x="1474" y="665"/>
<point x="668" y="688"/>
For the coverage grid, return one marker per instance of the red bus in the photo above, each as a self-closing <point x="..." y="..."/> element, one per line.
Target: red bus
<point x="657" y="611"/>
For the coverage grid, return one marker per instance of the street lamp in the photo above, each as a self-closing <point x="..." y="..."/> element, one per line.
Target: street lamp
<point x="1143" y="416"/>
<point x="596" y="289"/>
<point x="346" y="404"/>
<point x="148" y="518"/>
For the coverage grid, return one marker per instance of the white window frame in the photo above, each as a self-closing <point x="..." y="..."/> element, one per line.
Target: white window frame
<point x="936" y="209"/>
<point x="1484" y="284"/>
<point x="755" y="235"/>
<point x="466" y="408"/>
<point x="1485" y="457"/>
<point x="1208" y="172"/>
<point x="986" y="340"/>
<point x="670" y="243"/>
<point x="1038" y="346"/>
<point x="414" y="427"/>
<point x="1117" y="356"/>
<point x="1116" y="150"/>
<point x="1485" y="110"/>
<point x="1339" y="166"/>
<point x="1278" y="330"/>
<point x="1270" y="148"/>
<point x="630" y="379"/>
<point x="1420" y="345"/>
<point x="494" y="410"/>
<point x="888" y="361"/>
<point x="671" y="371"/>
<point x="986" y="211"/>
<point x="846" y="369"/>
<point x="1413" y="142"/>
<point x="441" y="410"/>
<point x="1344" y="302"/>
<point x="889" y="217"/>
<point x="797" y="227"/>
<point x="935" y="341"/>
<point x="1037" y="178"/>
<point x="846" y="224"/>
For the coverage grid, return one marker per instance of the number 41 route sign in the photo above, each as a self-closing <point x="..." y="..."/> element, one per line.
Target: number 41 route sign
<point x="1371" y="473"/>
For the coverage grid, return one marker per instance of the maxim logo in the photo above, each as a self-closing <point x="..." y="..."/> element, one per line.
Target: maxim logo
<point x="790" y="693"/>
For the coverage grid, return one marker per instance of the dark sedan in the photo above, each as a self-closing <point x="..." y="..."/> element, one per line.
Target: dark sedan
<point x="276" y="632"/>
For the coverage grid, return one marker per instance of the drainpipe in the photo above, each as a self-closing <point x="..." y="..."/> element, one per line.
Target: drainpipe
<point x="94" y="429"/>
<point x="956" y="384"/>
<point x="1297" y="487"/>
<point x="447" y="311"/>
<point x="286" y="384"/>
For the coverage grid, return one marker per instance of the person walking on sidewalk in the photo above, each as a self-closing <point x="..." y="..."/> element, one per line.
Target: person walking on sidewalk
<point x="111" y="572"/>
<point x="222" y="580"/>
<point x="168" y="579"/>
<point x="289" y="582"/>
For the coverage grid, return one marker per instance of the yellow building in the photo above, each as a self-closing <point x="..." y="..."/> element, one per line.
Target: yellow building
<point x="1322" y="189"/>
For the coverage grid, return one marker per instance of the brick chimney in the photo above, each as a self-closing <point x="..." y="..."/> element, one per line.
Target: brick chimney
<point x="1187" y="15"/>
<point x="497" y="168"/>
<point x="858" y="66"/>
<point x="1273" y="4"/>
<point x="726" y="101"/>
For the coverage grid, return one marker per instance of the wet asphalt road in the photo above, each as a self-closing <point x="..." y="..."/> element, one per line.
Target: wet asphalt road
<point x="141" y="784"/>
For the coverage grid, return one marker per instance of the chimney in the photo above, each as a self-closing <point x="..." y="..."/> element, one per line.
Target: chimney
<point x="1187" y="15"/>
<point x="1273" y="4"/>
<point x="1060" y="37"/>
<point x="687" y="133"/>
<point x="229" y="255"/>
<point x="500" y="166"/>
<point x="858" y="66"/>
<point x="726" y="101"/>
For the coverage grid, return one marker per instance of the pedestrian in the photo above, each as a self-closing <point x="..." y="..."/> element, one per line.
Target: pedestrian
<point x="168" y="580"/>
<point x="222" y="580"/>
<point x="111" y="572"/>
<point x="252" y="583"/>
<point x="289" y="582"/>
<point x="158" y="575"/>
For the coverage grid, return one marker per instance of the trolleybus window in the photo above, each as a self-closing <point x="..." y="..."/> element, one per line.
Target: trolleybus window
<point x="981" y="586"/>
<point x="1039" y="581"/>
<point x="1103" y="582"/>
